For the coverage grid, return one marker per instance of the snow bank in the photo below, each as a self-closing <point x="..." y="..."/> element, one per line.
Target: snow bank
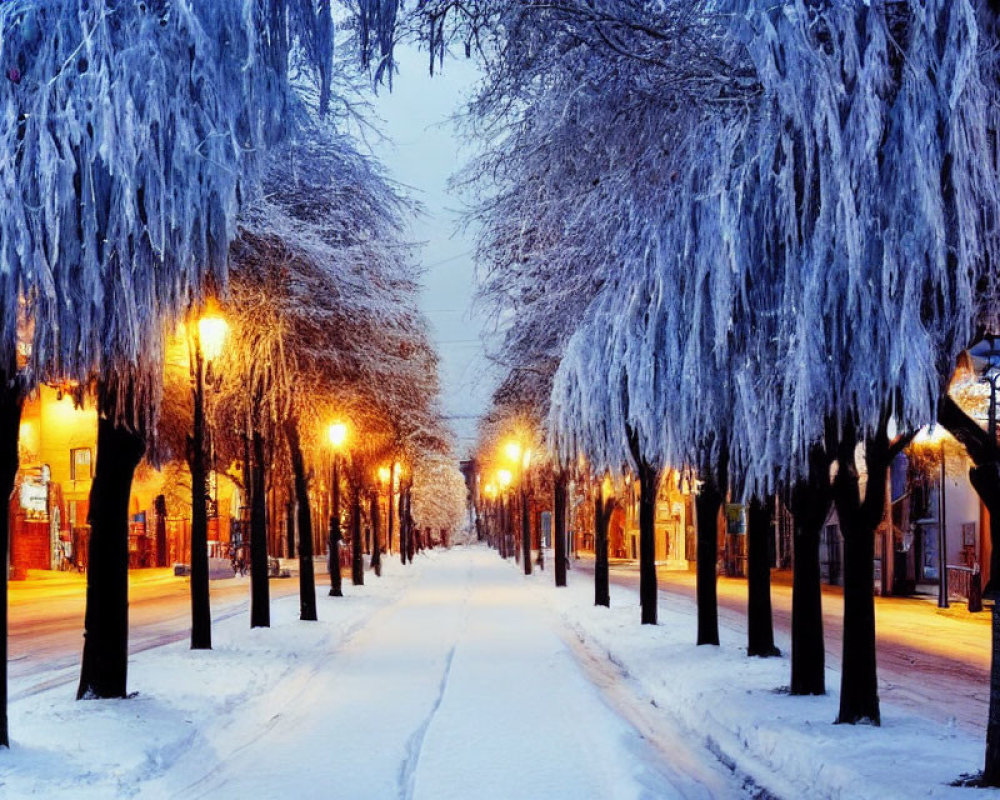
<point x="739" y="706"/>
<point x="200" y="705"/>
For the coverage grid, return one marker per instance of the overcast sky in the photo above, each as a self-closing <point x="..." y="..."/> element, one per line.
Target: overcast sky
<point x="422" y="153"/>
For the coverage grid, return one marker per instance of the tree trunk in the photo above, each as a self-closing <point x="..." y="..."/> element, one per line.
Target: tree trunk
<point x="859" y="682"/>
<point x="201" y="613"/>
<point x="307" y="581"/>
<point x="502" y="515"/>
<point x="858" y="521"/>
<point x="260" y="590"/>
<point x="376" y="559"/>
<point x="410" y="532"/>
<point x="357" y="562"/>
<point x="11" y="402"/>
<point x="559" y="502"/>
<point x="105" y="649"/>
<point x="649" y="484"/>
<point x="402" y="525"/>
<point x="991" y="769"/>
<point x="649" y="479"/>
<point x="525" y="532"/>
<point x="602" y="518"/>
<point x="810" y="504"/>
<point x="707" y="504"/>
<point x="985" y="479"/>
<point x="760" y="628"/>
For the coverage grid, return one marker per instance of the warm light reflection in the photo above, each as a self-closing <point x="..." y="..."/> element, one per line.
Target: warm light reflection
<point x="383" y="474"/>
<point x="337" y="434"/>
<point x="491" y="490"/>
<point x="526" y="462"/>
<point x="504" y="478"/>
<point x="607" y="489"/>
<point x="212" y="333"/>
<point x="930" y="436"/>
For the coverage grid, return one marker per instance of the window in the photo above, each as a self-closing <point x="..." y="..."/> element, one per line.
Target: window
<point x="80" y="468"/>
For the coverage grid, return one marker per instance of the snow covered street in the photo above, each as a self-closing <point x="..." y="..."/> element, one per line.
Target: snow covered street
<point x="441" y="680"/>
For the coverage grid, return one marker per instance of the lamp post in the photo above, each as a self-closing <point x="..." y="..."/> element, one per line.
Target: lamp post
<point x="384" y="475"/>
<point x="490" y="490"/>
<point x="934" y="439"/>
<point x="504" y="479"/>
<point x="528" y="495"/>
<point x="943" y="537"/>
<point x="391" y="508"/>
<point x="405" y="546"/>
<point x="337" y="435"/>
<point x="521" y="459"/>
<point x="205" y="341"/>
<point x="986" y="359"/>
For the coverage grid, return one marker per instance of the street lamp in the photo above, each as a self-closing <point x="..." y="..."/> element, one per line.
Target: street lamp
<point x="934" y="438"/>
<point x="212" y="331"/>
<point x="986" y="360"/>
<point x="205" y="342"/>
<point x="504" y="479"/>
<point x="521" y="459"/>
<point x="527" y="494"/>
<point x="384" y="477"/>
<point x="337" y="435"/>
<point x="490" y="490"/>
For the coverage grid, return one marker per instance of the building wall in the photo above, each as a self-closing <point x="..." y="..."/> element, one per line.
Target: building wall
<point x="51" y="430"/>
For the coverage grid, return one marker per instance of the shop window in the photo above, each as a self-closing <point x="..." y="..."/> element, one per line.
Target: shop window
<point x="81" y="464"/>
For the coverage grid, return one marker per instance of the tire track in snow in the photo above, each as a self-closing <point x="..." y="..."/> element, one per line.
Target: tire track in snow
<point x="675" y="743"/>
<point x="295" y="686"/>
<point x="408" y="769"/>
<point x="407" y="780"/>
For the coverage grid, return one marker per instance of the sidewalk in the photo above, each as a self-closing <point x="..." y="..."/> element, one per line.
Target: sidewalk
<point x="933" y="709"/>
<point x="51" y="583"/>
<point x="895" y="616"/>
<point x="443" y="679"/>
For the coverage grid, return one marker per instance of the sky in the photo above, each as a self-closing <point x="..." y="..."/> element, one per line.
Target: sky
<point x="422" y="150"/>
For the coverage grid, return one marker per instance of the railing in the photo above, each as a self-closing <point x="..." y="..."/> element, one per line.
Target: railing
<point x="965" y="583"/>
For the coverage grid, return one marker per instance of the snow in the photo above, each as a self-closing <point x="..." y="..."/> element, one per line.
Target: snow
<point x="458" y="675"/>
<point x="439" y="677"/>
<point x="739" y="706"/>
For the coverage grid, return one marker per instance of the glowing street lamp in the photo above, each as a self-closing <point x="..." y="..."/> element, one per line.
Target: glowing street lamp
<point x="205" y="342"/>
<point x="986" y="360"/>
<point x="337" y="434"/>
<point x="212" y="331"/>
<point x="513" y="451"/>
<point x="933" y="438"/>
<point x="520" y="458"/>
<point x="504" y="478"/>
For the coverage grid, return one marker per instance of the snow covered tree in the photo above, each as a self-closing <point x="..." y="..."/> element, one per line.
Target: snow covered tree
<point x="438" y="493"/>
<point x="795" y="217"/>
<point x="131" y="138"/>
<point x="318" y="296"/>
<point x="880" y="227"/>
<point x="123" y="183"/>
